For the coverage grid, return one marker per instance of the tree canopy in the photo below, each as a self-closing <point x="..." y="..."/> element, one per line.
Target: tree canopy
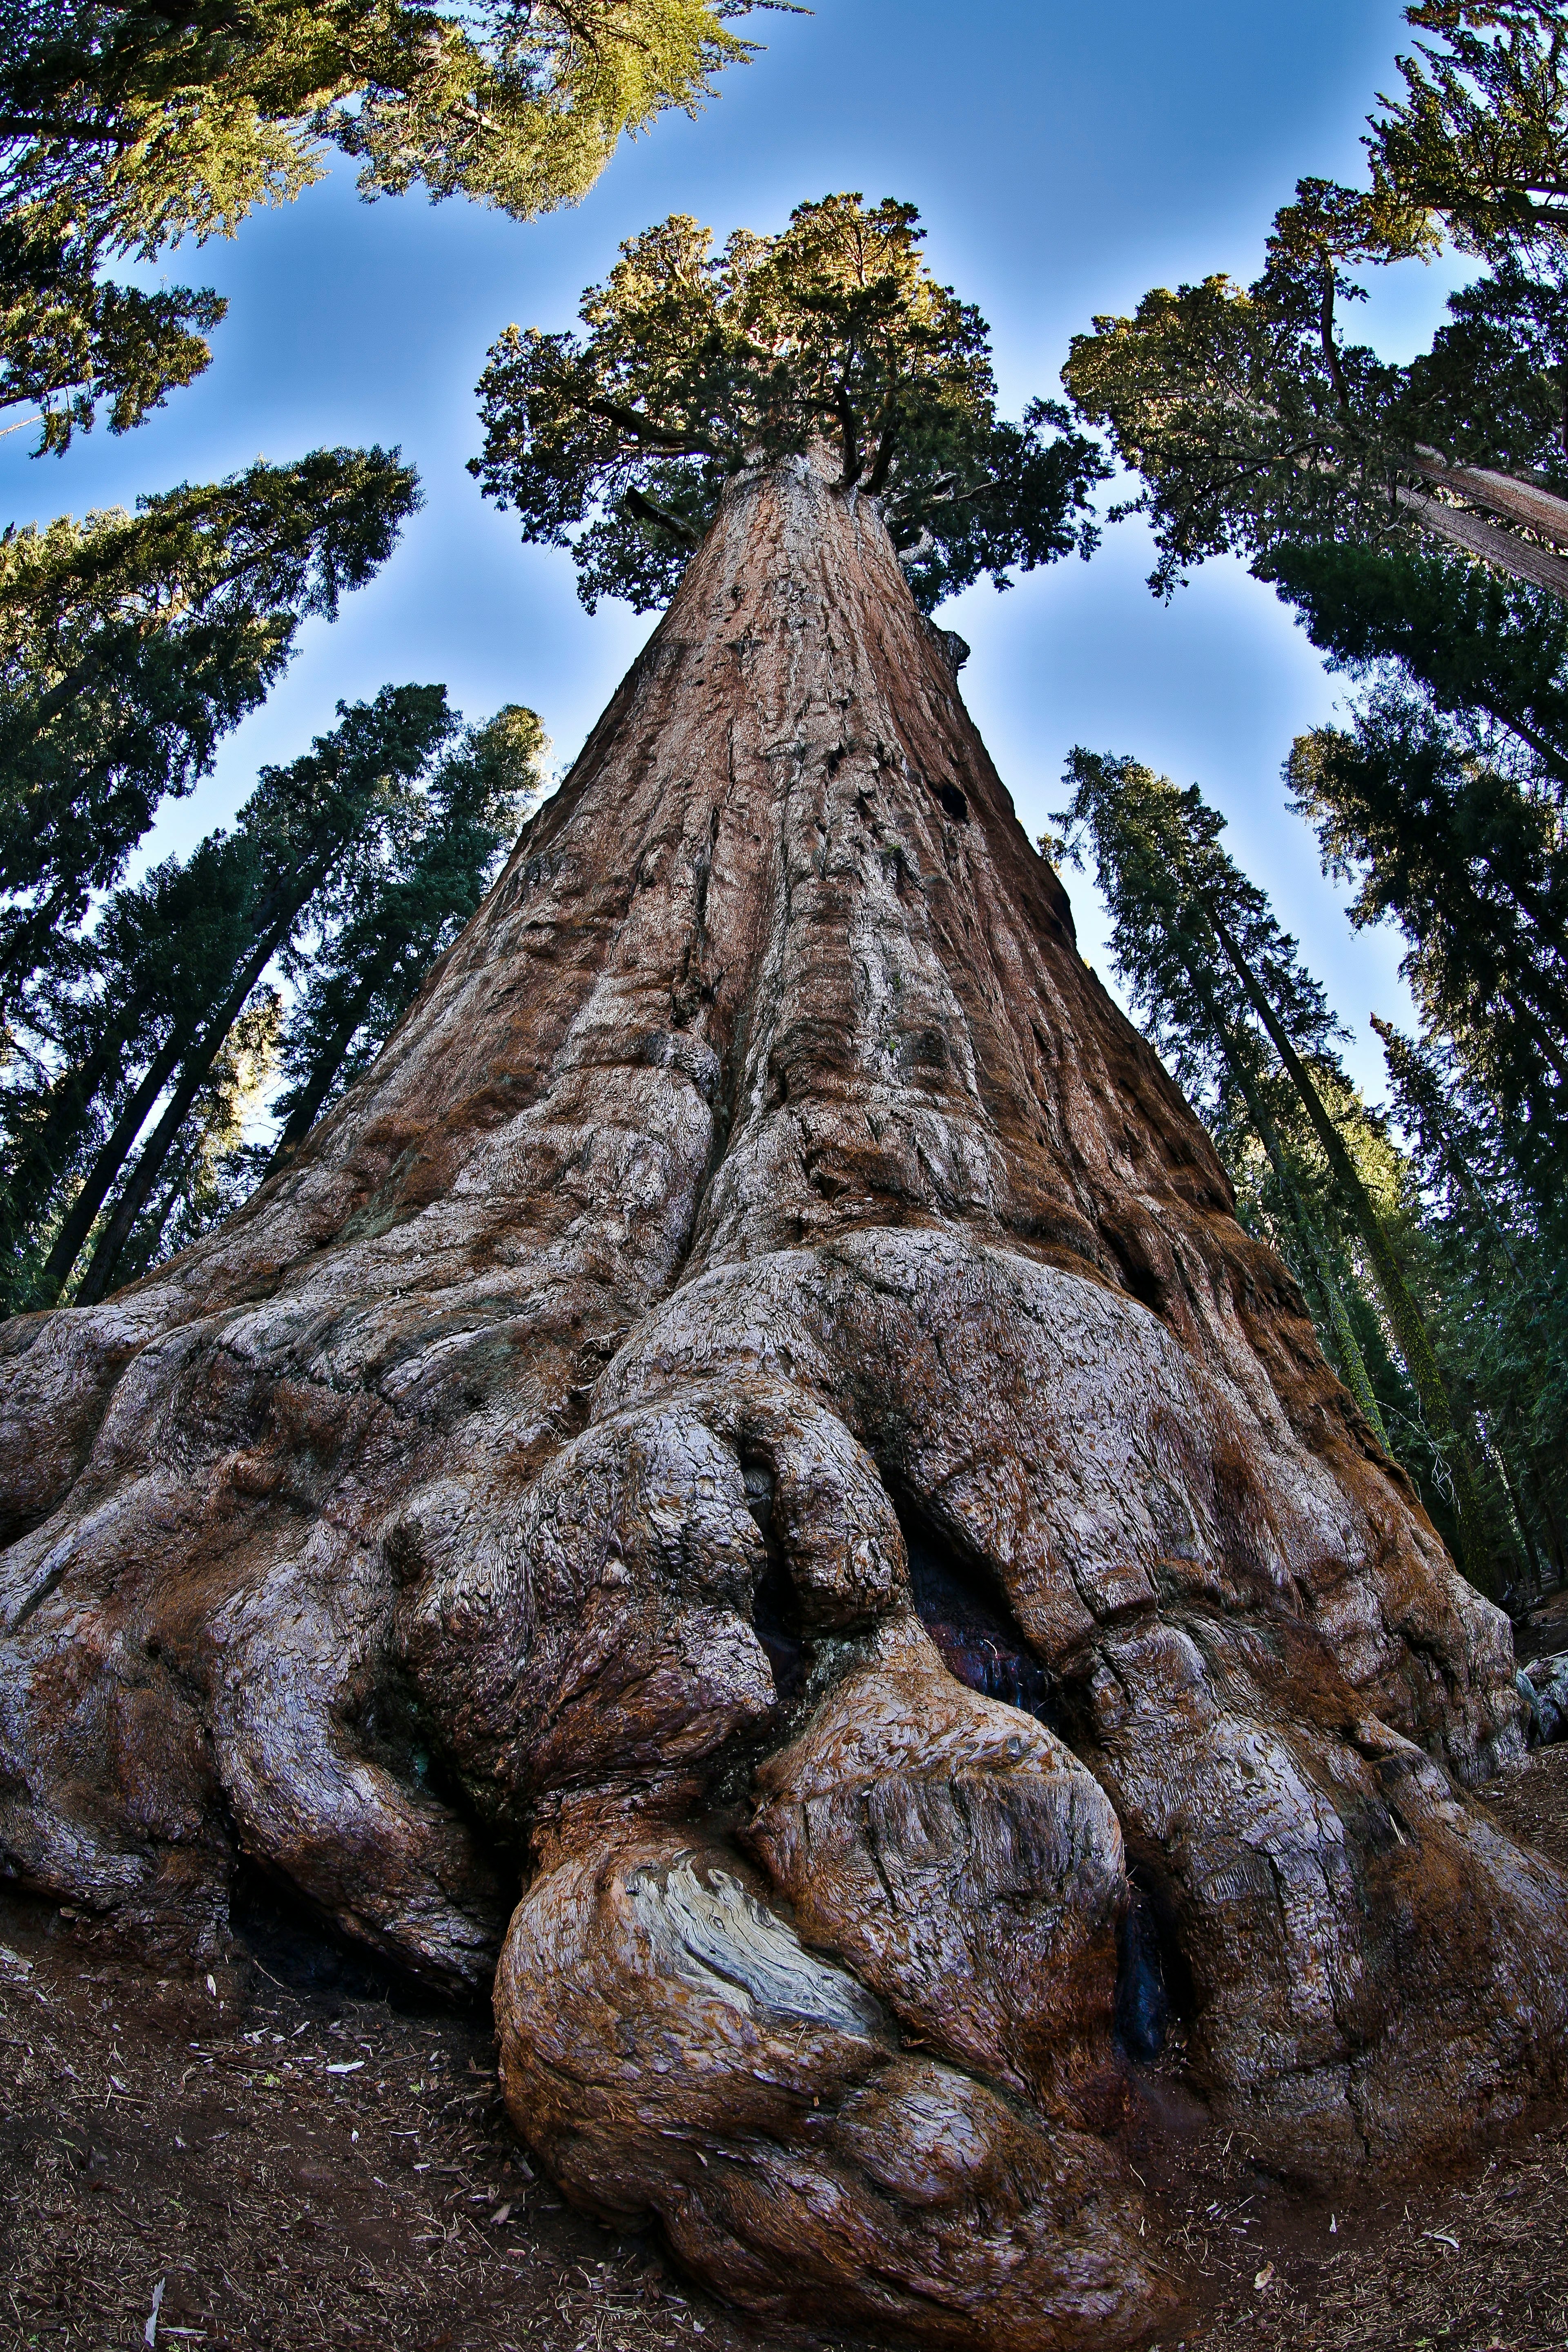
<point x="1479" y="136"/>
<point x="1256" y="426"/>
<point x="693" y="364"/>
<point x="1256" y="423"/>
<point x="126" y="128"/>
<point x="1435" y="833"/>
<point x="1472" y="641"/>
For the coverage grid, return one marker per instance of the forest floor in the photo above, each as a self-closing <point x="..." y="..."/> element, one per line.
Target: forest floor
<point x="292" y="2155"/>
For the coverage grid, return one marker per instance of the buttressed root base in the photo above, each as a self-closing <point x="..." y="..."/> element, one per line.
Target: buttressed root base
<point x="756" y="1421"/>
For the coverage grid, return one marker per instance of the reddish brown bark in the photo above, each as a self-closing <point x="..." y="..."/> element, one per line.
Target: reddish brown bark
<point x="761" y="1386"/>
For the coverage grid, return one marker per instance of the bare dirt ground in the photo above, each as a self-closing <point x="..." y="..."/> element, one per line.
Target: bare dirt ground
<point x="294" y="2154"/>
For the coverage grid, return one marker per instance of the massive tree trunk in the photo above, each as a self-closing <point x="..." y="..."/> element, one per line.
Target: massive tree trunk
<point x="755" y="1430"/>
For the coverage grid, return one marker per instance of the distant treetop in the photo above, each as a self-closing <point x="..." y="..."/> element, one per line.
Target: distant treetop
<point x="1479" y="135"/>
<point x="1258" y="422"/>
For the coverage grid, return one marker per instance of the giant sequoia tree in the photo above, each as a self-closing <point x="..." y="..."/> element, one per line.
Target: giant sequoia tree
<point x="751" y="1446"/>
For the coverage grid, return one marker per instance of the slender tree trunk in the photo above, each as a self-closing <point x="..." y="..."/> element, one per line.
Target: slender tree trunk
<point x="1353" y="1362"/>
<point x="1521" y="1519"/>
<point x="1529" y="503"/>
<point x="274" y="922"/>
<point x="328" y="1062"/>
<point x="1530" y="1020"/>
<point x="193" y="1073"/>
<point x="70" y="1098"/>
<point x="159" y="1222"/>
<point x="155" y="1223"/>
<point x="1543" y="1489"/>
<point x="764" y="1372"/>
<point x="1408" y="1322"/>
<point x="101" y="1176"/>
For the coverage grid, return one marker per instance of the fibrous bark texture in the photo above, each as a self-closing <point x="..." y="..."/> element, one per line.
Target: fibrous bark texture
<point x="756" y="1426"/>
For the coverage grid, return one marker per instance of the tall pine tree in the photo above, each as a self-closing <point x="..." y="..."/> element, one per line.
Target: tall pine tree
<point x="97" y="1036"/>
<point x="129" y="643"/>
<point x="1222" y="986"/>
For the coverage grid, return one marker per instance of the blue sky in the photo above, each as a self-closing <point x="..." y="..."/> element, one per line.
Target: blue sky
<point x="1064" y="159"/>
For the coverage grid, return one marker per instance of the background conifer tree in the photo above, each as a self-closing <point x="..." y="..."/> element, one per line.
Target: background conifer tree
<point x="125" y="129"/>
<point x="347" y="873"/>
<point x="1492" y="1251"/>
<point x="440" y="853"/>
<point x="98" y="1032"/>
<point x="325" y="850"/>
<point x="214" y="1164"/>
<point x="304" y="835"/>
<point x="1422" y="814"/>
<point x="129" y="643"/>
<point x="1222" y="987"/>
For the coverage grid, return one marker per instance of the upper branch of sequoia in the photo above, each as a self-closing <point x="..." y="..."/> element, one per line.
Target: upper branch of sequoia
<point x="615" y="442"/>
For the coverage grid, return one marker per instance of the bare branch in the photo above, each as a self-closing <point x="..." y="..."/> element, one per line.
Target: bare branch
<point x="1510" y="553"/>
<point x="643" y="509"/>
<point x="659" y="436"/>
